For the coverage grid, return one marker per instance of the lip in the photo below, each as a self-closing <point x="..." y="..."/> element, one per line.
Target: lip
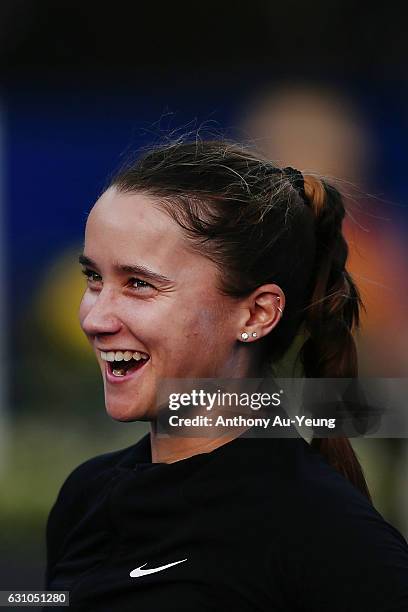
<point x="118" y="380"/>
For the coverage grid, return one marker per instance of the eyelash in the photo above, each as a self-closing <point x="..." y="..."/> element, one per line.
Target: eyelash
<point x="90" y="273"/>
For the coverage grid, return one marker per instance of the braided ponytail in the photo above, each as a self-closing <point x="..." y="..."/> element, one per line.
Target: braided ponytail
<point x="330" y="350"/>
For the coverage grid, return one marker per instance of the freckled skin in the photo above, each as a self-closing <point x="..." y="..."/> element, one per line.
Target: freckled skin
<point x="186" y="326"/>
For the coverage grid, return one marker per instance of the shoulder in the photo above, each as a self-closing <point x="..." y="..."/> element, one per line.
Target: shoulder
<point x="78" y="491"/>
<point x="76" y="487"/>
<point x="328" y="501"/>
<point x="99" y="467"/>
<point x="335" y="536"/>
<point x="92" y="468"/>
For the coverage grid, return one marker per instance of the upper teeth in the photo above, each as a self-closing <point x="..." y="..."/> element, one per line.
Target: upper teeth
<point x="123" y="355"/>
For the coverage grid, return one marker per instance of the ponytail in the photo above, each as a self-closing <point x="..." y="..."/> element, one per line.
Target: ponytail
<point x="334" y="310"/>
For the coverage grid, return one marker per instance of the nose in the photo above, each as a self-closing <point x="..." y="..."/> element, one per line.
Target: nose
<point x="101" y="317"/>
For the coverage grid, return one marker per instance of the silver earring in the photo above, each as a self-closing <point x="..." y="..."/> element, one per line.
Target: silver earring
<point x="280" y="309"/>
<point x="244" y="335"/>
<point x="254" y="334"/>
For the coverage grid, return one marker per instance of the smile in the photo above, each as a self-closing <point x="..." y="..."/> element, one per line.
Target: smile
<point x="120" y="364"/>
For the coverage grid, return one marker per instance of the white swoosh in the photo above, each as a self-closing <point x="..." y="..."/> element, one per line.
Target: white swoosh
<point x="136" y="573"/>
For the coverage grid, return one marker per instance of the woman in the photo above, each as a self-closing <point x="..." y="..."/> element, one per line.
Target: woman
<point x="204" y="261"/>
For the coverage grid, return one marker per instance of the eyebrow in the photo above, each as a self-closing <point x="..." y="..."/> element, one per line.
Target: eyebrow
<point x="129" y="269"/>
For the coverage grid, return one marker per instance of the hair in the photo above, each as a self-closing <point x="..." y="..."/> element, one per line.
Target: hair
<point x="248" y="216"/>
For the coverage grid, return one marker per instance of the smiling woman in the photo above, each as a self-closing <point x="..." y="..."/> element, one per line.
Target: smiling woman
<point x="134" y="289"/>
<point x="204" y="261"/>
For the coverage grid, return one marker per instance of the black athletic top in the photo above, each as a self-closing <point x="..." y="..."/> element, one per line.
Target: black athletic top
<point x="254" y="525"/>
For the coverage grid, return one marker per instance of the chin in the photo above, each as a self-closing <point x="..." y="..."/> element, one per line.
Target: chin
<point x="125" y="413"/>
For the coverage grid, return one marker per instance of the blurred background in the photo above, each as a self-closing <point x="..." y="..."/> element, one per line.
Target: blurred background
<point x="319" y="86"/>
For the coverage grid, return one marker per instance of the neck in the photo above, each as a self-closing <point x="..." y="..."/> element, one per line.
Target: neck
<point x="175" y="448"/>
<point x="170" y="450"/>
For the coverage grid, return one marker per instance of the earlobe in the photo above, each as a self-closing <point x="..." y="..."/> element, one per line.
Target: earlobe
<point x="245" y="335"/>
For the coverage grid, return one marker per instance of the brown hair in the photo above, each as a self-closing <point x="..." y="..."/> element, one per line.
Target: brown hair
<point x="250" y="219"/>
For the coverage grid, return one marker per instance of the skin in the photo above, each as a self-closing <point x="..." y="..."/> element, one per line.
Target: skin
<point x="189" y="329"/>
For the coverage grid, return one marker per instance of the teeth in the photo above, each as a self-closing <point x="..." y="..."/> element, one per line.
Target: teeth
<point x="123" y="355"/>
<point x="118" y="372"/>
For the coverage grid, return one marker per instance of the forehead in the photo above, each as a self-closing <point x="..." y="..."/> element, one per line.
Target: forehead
<point x="131" y="215"/>
<point x="131" y="228"/>
<point x="132" y="223"/>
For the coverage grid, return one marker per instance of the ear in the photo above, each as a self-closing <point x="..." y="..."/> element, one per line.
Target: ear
<point x="260" y="311"/>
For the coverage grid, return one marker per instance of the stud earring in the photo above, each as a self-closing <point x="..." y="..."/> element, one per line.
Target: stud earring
<point x="244" y="335"/>
<point x="254" y="334"/>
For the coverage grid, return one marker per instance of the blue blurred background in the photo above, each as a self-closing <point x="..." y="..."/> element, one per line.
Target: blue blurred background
<point x="83" y="87"/>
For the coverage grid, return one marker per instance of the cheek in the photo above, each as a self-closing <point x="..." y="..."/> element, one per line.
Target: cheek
<point x="210" y="318"/>
<point x="197" y="332"/>
<point x="203" y="328"/>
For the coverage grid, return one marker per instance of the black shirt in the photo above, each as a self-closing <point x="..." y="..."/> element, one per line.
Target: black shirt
<point x="255" y="525"/>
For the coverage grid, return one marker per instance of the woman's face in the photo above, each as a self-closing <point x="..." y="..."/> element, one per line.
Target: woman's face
<point x="148" y="293"/>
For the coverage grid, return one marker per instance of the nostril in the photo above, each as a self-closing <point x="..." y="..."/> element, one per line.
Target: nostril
<point x="98" y="314"/>
<point x="94" y="325"/>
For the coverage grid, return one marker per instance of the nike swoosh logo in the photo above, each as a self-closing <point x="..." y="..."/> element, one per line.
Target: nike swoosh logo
<point x="138" y="572"/>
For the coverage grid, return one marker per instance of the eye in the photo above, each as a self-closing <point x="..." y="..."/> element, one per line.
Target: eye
<point x="139" y="284"/>
<point x="91" y="276"/>
<point x="134" y="283"/>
